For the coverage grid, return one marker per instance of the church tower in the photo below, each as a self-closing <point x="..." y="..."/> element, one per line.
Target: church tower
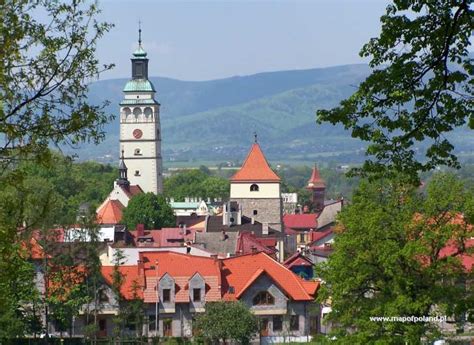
<point x="140" y="129"/>
<point x="317" y="187"/>
<point x="256" y="188"/>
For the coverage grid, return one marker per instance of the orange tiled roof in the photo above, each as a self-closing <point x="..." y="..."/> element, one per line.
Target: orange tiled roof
<point x="181" y="267"/>
<point x="110" y="212"/>
<point x="255" y="168"/>
<point x="241" y="271"/>
<point x="131" y="277"/>
<point x="316" y="181"/>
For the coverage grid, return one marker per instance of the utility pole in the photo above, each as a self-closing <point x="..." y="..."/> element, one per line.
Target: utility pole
<point x="157" y="299"/>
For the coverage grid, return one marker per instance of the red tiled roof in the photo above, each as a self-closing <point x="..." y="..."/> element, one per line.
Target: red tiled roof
<point x="315" y="181"/>
<point x="110" y="212"/>
<point x="255" y="168"/>
<point x="318" y="235"/>
<point x="131" y="278"/>
<point x="181" y="267"/>
<point x="301" y="221"/>
<point x="466" y="259"/>
<point x="33" y="249"/>
<point x="154" y="234"/>
<point x="248" y="242"/>
<point x="239" y="272"/>
<point x="171" y="237"/>
<point x="132" y="190"/>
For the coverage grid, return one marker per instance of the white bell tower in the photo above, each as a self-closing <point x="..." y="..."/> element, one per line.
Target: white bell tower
<point x="140" y="129"/>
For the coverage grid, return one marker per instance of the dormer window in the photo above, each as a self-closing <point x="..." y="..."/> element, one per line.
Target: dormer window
<point x="263" y="298"/>
<point x="254" y="188"/>
<point x="137" y="152"/>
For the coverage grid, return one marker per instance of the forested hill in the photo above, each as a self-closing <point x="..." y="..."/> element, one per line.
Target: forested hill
<point x="215" y="120"/>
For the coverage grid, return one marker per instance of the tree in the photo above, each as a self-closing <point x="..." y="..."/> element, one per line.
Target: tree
<point x="421" y="87"/>
<point x="387" y="261"/>
<point x="196" y="183"/>
<point x="149" y="209"/>
<point x="223" y="321"/>
<point x="48" y="58"/>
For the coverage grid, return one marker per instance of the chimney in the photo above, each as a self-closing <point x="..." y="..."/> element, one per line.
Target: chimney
<point x="140" y="230"/>
<point x="264" y="228"/>
<point x="252" y="220"/>
<point x="223" y="235"/>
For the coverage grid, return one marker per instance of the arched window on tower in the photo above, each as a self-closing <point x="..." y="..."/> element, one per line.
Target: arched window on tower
<point x="148" y="113"/>
<point x="137" y="112"/>
<point x="254" y="188"/>
<point x="126" y="113"/>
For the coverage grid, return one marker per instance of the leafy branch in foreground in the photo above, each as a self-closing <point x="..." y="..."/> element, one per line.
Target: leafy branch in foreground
<point x="421" y="87"/>
<point x="47" y="62"/>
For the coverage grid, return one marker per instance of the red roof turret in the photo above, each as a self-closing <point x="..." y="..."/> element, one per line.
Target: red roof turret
<point x="315" y="181"/>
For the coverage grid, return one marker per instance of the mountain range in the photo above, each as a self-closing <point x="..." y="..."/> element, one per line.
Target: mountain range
<point x="215" y="120"/>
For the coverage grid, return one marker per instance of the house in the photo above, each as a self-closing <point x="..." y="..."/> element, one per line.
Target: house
<point x="193" y="206"/>
<point x="186" y="283"/>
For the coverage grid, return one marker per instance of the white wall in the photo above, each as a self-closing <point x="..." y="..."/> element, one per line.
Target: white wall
<point x="266" y="190"/>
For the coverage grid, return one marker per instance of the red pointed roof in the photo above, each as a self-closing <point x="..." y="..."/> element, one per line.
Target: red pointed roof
<point x="315" y="181"/>
<point x="255" y="168"/>
<point x="110" y="212"/>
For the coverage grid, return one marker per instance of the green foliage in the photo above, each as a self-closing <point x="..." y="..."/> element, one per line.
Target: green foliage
<point x="196" y="183"/>
<point x="227" y="321"/>
<point x="48" y="64"/>
<point x="149" y="209"/>
<point x="420" y="89"/>
<point x="386" y="260"/>
<point x="72" y="183"/>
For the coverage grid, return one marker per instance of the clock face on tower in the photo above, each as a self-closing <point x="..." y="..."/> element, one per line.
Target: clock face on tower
<point x="137" y="134"/>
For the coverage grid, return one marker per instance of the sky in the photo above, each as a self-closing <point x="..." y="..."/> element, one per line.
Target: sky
<point x="204" y="40"/>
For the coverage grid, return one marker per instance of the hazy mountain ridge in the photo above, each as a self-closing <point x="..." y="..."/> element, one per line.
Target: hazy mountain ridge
<point x="215" y="119"/>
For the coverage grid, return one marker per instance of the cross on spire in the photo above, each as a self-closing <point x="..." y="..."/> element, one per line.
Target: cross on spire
<point x="139" y="33"/>
<point x="255" y="137"/>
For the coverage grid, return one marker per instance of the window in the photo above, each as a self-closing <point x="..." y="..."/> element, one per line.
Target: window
<point x="277" y="323"/>
<point x="137" y="152"/>
<point x="255" y="212"/>
<point x="103" y="298"/>
<point x="263" y="298"/>
<point x="137" y="172"/>
<point x="254" y="188"/>
<point x="301" y="238"/>
<point x="166" y="295"/>
<point x="197" y="295"/>
<point x="294" y="323"/>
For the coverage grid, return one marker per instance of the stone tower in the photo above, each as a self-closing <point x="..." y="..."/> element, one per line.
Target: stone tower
<point x="140" y="129"/>
<point x="256" y="188"/>
<point x="317" y="187"/>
